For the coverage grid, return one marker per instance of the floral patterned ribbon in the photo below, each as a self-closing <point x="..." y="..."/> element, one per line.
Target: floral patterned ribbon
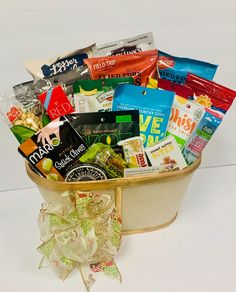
<point x="84" y="231"/>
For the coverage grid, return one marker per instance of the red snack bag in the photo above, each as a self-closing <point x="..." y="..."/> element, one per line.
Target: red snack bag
<point x="179" y="89"/>
<point x="140" y="66"/>
<point x="56" y="102"/>
<point x="210" y="94"/>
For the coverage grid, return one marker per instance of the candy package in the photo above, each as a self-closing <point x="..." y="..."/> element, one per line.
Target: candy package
<point x="56" y="102"/>
<point x="176" y="69"/>
<point x="96" y="95"/>
<point x="45" y="68"/>
<point x="201" y="135"/>
<point x="210" y="94"/>
<point x="23" y="123"/>
<point x="134" y="152"/>
<point x="140" y="66"/>
<point x="104" y="156"/>
<point x="140" y="171"/>
<point x="166" y="152"/>
<point x="54" y="150"/>
<point x="106" y="127"/>
<point x="154" y="107"/>
<point x="139" y="43"/>
<point x="185" y="115"/>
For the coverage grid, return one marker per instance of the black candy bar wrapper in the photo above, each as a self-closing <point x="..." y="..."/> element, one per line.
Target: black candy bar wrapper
<point x="55" y="150"/>
<point x="106" y="127"/>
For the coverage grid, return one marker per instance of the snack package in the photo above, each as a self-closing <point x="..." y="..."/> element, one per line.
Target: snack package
<point x="210" y="94"/>
<point x="45" y="68"/>
<point x="165" y="152"/>
<point x="140" y="66"/>
<point x="96" y="95"/>
<point x="154" y="107"/>
<point x="176" y="69"/>
<point x="185" y="115"/>
<point x="139" y="43"/>
<point x="106" y="127"/>
<point x="103" y="156"/>
<point x="140" y="171"/>
<point x="201" y="135"/>
<point x="55" y="150"/>
<point x="134" y="152"/>
<point x="56" y="102"/>
<point x="23" y="123"/>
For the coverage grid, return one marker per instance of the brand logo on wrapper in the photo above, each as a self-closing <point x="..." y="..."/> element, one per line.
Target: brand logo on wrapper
<point x="164" y="62"/>
<point x="14" y="114"/>
<point x="85" y="173"/>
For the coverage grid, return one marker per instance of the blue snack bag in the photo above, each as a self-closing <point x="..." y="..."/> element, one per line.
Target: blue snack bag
<point x="154" y="108"/>
<point x="176" y="69"/>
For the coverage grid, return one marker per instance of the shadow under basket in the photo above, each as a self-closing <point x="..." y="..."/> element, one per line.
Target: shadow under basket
<point x="145" y="203"/>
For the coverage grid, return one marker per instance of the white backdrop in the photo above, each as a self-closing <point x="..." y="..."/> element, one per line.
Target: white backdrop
<point x="199" y="29"/>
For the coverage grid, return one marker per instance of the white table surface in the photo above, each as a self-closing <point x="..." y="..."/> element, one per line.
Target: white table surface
<point x="197" y="253"/>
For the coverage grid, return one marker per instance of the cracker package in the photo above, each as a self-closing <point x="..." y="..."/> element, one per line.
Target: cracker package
<point x="154" y="107"/>
<point x="185" y="115"/>
<point x="139" y="43"/>
<point x="176" y="69"/>
<point x="106" y="127"/>
<point x="96" y="95"/>
<point x="140" y="66"/>
<point x="55" y="102"/>
<point x="201" y="135"/>
<point x="55" y="150"/>
<point x="166" y="152"/>
<point x="45" y="68"/>
<point x="210" y="94"/>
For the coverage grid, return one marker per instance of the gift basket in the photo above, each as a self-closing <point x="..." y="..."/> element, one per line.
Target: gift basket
<point x="111" y="135"/>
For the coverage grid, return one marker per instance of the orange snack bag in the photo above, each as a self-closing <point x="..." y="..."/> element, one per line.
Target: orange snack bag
<point x="140" y="66"/>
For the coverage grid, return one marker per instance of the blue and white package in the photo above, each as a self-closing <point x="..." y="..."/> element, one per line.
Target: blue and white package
<point x="154" y="107"/>
<point x="176" y="69"/>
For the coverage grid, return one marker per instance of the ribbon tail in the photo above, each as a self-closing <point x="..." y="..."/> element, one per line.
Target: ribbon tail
<point x="88" y="276"/>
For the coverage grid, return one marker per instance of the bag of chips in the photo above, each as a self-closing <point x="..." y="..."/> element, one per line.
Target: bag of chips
<point x="210" y="94"/>
<point x="154" y="107"/>
<point x="139" y="43"/>
<point x="96" y="95"/>
<point x="140" y="66"/>
<point x="176" y="69"/>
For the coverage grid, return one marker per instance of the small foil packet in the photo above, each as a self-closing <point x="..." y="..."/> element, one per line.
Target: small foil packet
<point x="96" y="95"/>
<point x="176" y="69"/>
<point x="55" y="150"/>
<point x="166" y="152"/>
<point x="106" y="127"/>
<point x="104" y="156"/>
<point x="55" y="102"/>
<point x="201" y="135"/>
<point x="136" y="44"/>
<point x="154" y="107"/>
<point x="134" y="152"/>
<point x="45" y="68"/>
<point x="140" y="66"/>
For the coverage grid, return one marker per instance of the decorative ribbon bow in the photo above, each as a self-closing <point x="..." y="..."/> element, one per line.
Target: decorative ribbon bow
<point x="84" y="231"/>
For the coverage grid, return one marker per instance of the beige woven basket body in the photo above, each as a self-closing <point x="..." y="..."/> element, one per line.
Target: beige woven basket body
<point x="145" y="203"/>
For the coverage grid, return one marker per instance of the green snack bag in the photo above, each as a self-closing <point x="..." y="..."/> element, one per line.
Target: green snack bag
<point x="103" y="156"/>
<point x="96" y="95"/>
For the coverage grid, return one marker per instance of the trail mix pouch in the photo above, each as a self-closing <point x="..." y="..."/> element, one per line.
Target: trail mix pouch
<point x="140" y="66"/>
<point x="139" y="43"/>
<point x="103" y="156"/>
<point x="210" y="94"/>
<point x="45" y="68"/>
<point x="22" y="122"/>
<point x="106" y="127"/>
<point x="185" y="115"/>
<point x="154" y="107"/>
<point x="166" y="152"/>
<point x="176" y="69"/>
<point x="96" y="95"/>
<point x="55" y="102"/>
<point x="55" y="150"/>
<point x="201" y="135"/>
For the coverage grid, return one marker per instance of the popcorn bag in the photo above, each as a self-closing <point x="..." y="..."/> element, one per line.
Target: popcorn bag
<point x="110" y="145"/>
